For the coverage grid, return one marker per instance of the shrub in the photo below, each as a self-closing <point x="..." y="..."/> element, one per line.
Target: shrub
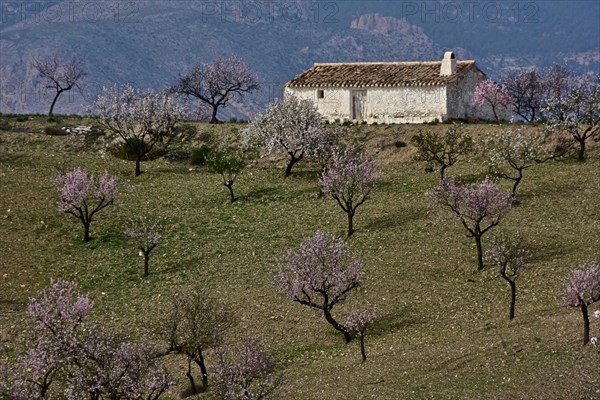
<point x="399" y="143"/>
<point x="199" y="155"/>
<point x="55" y="131"/>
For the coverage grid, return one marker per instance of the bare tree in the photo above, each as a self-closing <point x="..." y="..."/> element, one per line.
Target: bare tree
<point x="217" y="83"/>
<point x="195" y="323"/>
<point x="444" y="150"/>
<point x="60" y="75"/>
<point x="526" y="87"/>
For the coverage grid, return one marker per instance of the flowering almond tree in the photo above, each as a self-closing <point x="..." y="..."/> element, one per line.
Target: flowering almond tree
<point x="512" y="151"/>
<point x="489" y="92"/>
<point x="508" y="257"/>
<point x="357" y="322"/>
<point x="292" y="124"/>
<point x="64" y="358"/>
<point x="245" y="372"/>
<point x="479" y="208"/>
<point x="82" y="195"/>
<point x="582" y="290"/>
<point x="443" y="150"/>
<point x="147" y="235"/>
<point x="320" y="274"/>
<point x="142" y="120"/>
<point x="577" y="111"/>
<point x="349" y="179"/>
<point x="218" y="83"/>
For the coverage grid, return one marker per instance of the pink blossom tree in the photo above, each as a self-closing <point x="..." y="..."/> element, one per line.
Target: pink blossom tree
<point x="68" y="355"/>
<point x="147" y="234"/>
<point x="526" y="87"/>
<point x="490" y="93"/>
<point x="60" y="75"/>
<point x="582" y="290"/>
<point x="141" y="120"/>
<point x="349" y="179"/>
<point x="508" y="256"/>
<point x="292" y="124"/>
<point x="82" y="195"/>
<point x="320" y="274"/>
<point x="576" y="111"/>
<point x="479" y="208"/>
<point x="218" y="83"/>
<point x="357" y="322"/>
<point x="245" y="372"/>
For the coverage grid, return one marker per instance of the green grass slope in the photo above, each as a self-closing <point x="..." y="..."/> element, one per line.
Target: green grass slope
<point x="442" y="332"/>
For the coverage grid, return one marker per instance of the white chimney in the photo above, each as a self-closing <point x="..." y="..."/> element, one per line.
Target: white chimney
<point x="448" y="64"/>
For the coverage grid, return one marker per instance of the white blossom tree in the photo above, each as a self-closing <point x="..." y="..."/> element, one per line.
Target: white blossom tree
<point x="577" y="111"/>
<point x="292" y="124"/>
<point x="142" y="120"/>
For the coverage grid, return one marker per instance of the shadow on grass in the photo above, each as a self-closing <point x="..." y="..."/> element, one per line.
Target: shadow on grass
<point x="397" y="321"/>
<point x="393" y="221"/>
<point x="258" y="194"/>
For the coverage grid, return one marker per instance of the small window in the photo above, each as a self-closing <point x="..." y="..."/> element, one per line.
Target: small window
<point x="320" y="94"/>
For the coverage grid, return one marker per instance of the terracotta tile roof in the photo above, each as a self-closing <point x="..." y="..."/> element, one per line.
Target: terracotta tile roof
<point x="368" y="74"/>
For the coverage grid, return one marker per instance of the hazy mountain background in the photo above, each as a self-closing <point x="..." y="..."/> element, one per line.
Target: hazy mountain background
<point x="150" y="43"/>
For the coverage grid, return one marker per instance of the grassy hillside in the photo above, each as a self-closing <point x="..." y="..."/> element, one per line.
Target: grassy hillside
<point x="442" y="331"/>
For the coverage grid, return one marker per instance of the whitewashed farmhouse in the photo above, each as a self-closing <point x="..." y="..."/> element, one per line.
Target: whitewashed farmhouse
<point x="394" y="92"/>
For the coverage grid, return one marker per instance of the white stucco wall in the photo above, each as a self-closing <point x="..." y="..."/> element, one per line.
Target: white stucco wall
<point x="460" y="99"/>
<point x="335" y="103"/>
<point x="408" y="104"/>
<point x="412" y="104"/>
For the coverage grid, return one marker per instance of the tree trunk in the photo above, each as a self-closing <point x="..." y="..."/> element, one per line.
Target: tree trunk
<point x="191" y="377"/>
<point x="293" y="161"/>
<point x="516" y="184"/>
<point x="138" y="159"/>
<point x="200" y="362"/>
<point x="146" y="261"/>
<point x="362" y="347"/>
<point x="86" y="231"/>
<point x="337" y="326"/>
<point x="213" y="117"/>
<point x="479" y="252"/>
<point x="443" y="172"/>
<point x="586" y="324"/>
<point x="581" y="153"/>
<point x="494" y="111"/>
<point x="513" y="298"/>
<point x="230" y="188"/>
<point x="58" y="92"/>
<point x="350" y="223"/>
